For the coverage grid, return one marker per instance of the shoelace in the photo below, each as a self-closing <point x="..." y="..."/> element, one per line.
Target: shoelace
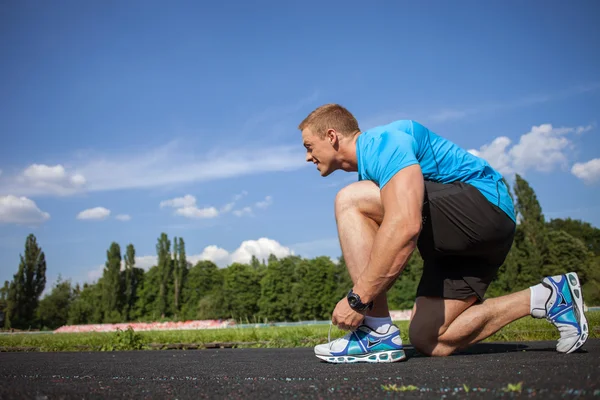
<point x="329" y="336"/>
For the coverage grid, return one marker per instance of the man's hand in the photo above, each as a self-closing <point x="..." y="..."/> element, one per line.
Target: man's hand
<point x="345" y="317"/>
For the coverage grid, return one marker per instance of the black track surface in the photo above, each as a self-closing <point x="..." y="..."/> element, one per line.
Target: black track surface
<point x="484" y="371"/>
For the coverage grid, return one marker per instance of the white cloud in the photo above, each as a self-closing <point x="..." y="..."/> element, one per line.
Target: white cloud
<point x="21" y="210"/>
<point x="582" y="129"/>
<point x="495" y="153"/>
<point x="170" y="164"/>
<point x="186" y="206"/>
<point x="213" y="253"/>
<point x="123" y="217"/>
<point x="185" y="201"/>
<point x="247" y="210"/>
<point x="589" y="172"/>
<point x="195" y="212"/>
<point x="145" y="262"/>
<point x="265" y="203"/>
<point x="41" y="178"/>
<point x="260" y="248"/>
<point x="542" y="149"/>
<point x="229" y="206"/>
<point x="96" y="213"/>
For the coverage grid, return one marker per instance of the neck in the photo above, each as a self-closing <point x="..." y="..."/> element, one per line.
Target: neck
<point x="347" y="152"/>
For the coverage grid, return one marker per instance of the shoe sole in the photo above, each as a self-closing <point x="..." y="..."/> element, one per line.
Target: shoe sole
<point x="387" y="356"/>
<point x="577" y="296"/>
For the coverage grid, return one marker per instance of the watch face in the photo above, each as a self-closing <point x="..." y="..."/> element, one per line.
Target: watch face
<point x="353" y="301"/>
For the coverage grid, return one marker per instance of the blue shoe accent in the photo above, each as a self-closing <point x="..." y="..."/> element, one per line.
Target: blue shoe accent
<point x="564" y="309"/>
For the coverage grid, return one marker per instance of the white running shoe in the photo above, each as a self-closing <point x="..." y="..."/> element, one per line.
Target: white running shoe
<point x="363" y="345"/>
<point x="564" y="309"/>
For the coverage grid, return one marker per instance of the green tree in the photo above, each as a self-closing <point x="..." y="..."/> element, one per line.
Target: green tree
<point x="336" y="286"/>
<point x="204" y="281"/>
<point x="165" y="271"/>
<point x="87" y="306"/>
<point x="180" y="271"/>
<point x="584" y="231"/>
<point x="276" y="301"/>
<point x="27" y="286"/>
<point x="53" y="311"/>
<point x="567" y="253"/>
<point x="112" y="285"/>
<point x="308" y="291"/>
<point x="132" y="277"/>
<point x="3" y="302"/>
<point x="241" y="291"/>
<point x="147" y="304"/>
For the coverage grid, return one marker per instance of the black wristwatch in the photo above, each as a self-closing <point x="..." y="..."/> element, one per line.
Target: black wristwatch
<point x="356" y="304"/>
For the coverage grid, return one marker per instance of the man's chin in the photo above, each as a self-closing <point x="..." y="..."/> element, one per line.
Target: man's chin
<point x="325" y="172"/>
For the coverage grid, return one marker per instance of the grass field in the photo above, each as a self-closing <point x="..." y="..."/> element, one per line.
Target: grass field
<point x="526" y="329"/>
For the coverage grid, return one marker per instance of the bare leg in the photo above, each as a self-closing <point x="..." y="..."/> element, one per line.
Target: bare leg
<point x="359" y="213"/>
<point x="440" y="326"/>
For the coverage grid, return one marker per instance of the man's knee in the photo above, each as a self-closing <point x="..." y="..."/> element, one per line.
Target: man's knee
<point x="429" y="326"/>
<point x="361" y="196"/>
<point x="427" y="341"/>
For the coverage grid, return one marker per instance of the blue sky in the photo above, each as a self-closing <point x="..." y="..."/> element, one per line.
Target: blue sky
<point x="182" y="117"/>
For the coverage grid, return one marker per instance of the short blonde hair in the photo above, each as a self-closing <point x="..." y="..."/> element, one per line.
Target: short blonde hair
<point x="330" y="116"/>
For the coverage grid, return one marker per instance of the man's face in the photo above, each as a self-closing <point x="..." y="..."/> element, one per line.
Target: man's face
<point x="319" y="151"/>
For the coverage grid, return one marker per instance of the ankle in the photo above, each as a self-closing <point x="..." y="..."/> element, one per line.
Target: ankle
<point x="379" y="324"/>
<point x="539" y="295"/>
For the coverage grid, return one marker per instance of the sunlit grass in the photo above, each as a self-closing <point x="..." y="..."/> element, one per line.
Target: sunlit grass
<point x="525" y="329"/>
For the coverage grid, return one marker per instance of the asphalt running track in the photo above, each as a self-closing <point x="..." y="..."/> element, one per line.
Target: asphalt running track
<point x="485" y="370"/>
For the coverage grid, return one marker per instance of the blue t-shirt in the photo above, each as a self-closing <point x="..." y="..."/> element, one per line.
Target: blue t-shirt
<point x="385" y="150"/>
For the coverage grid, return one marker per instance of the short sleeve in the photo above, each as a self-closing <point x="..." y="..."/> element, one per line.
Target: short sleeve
<point x="383" y="155"/>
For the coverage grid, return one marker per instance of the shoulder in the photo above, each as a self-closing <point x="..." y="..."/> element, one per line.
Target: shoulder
<point x="386" y="149"/>
<point x="399" y="126"/>
<point x="396" y="134"/>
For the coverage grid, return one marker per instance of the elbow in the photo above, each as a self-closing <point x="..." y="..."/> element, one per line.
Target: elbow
<point x="413" y="230"/>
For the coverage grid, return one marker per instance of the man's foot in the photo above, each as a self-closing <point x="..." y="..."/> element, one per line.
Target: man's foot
<point x="564" y="309"/>
<point x="364" y="345"/>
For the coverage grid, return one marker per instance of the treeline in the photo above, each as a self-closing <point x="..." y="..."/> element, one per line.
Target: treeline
<point x="286" y="289"/>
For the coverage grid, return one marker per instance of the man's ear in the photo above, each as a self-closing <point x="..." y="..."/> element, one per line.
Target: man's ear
<point x="332" y="136"/>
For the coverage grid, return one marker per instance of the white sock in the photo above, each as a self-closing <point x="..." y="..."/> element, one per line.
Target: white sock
<point x="381" y="324"/>
<point x="538" y="299"/>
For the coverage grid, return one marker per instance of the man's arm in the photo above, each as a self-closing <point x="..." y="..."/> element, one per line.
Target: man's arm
<point x="396" y="239"/>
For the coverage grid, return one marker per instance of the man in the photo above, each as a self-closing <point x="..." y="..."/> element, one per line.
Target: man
<point x="416" y="189"/>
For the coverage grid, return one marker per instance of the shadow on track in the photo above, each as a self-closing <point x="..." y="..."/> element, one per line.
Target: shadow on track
<point x="491" y="348"/>
<point x="480" y="348"/>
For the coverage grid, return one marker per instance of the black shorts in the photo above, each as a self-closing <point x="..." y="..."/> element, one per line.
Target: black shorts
<point x="464" y="241"/>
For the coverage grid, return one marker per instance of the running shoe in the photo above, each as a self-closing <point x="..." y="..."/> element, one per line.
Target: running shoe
<point x="564" y="309"/>
<point x="363" y="345"/>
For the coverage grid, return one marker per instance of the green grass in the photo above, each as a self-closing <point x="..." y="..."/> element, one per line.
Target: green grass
<point x="525" y="329"/>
